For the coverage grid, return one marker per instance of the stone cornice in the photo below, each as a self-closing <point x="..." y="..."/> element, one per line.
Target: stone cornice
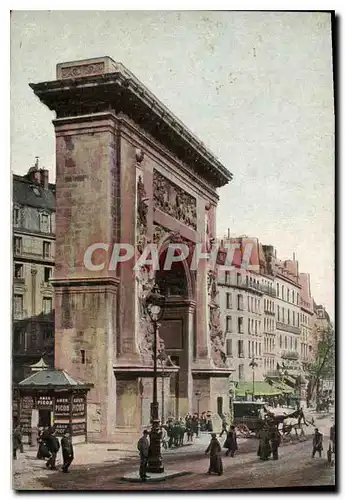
<point x="122" y="91"/>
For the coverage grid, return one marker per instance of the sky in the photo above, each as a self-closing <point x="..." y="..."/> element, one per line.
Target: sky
<point x="255" y="87"/>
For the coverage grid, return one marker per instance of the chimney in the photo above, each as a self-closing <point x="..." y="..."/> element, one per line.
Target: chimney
<point x="34" y="174"/>
<point x="44" y="180"/>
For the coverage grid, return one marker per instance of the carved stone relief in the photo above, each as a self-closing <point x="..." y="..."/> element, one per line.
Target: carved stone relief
<point x="173" y="200"/>
<point x="82" y="70"/>
<point x="216" y="333"/>
<point x="142" y="209"/>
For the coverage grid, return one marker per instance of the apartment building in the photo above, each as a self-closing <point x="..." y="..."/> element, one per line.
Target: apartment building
<point x="33" y="264"/>
<point x="306" y="320"/>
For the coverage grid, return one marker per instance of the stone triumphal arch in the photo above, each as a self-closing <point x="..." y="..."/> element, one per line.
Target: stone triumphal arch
<point x="127" y="170"/>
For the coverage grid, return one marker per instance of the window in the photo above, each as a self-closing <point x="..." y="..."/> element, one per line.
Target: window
<point x="18" y="271"/>
<point x="16" y="216"/>
<point x="248" y="303"/>
<point x="265" y="305"/>
<point x="256" y="348"/>
<point x="247" y="281"/>
<point x="293" y="318"/>
<point x="283" y="315"/>
<point x="278" y="312"/>
<point x="252" y="304"/>
<point x="240" y="349"/>
<point x="240" y="325"/>
<point x="229" y="347"/>
<point x="248" y="325"/>
<point x="229" y="324"/>
<point x="229" y="301"/>
<point x="288" y="295"/>
<point x="285" y="342"/>
<point x="239" y="281"/>
<point x="277" y="289"/>
<point x="260" y="349"/>
<point x="82" y="355"/>
<point x="45" y="223"/>
<point x="280" y="341"/>
<point x="36" y="190"/>
<point x="290" y="342"/>
<point x="240" y="302"/>
<point x="265" y="325"/>
<point x="297" y="301"/>
<point x="293" y="296"/>
<point x="46" y="249"/>
<point x="240" y="372"/>
<point x="17" y="245"/>
<point x="18" y="305"/>
<point x="283" y="292"/>
<point x="249" y="355"/>
<point x="47" y="274"/>
<point x="47" y="305"/>
<point x="296" y="344"/>
<point x="298" y="319"/>
<point x="227" y="277"/>
<point x="288" y="316"/>
<point x="256" y="327"/>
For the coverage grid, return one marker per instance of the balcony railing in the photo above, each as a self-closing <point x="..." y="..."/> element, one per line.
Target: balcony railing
<point x="21" y="314"/>
<point x="270" y="312"/>
<point x="18" y="281"/>
<point x="268" y="290"/>
<point x="288" y="328"/>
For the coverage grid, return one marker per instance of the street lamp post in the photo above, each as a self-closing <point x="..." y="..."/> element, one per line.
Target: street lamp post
<point x="155" y="307"/>
<point x="197" y="395"/>
<point x="253" y="365"/>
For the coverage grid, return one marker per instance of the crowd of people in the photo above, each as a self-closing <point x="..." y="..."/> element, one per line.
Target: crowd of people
<point x="48" y="447"/>
<point x="269" y="441"/>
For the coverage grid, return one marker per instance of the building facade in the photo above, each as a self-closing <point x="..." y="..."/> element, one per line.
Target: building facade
<point x="307" y="347"/>
<point x="33" y="264"/>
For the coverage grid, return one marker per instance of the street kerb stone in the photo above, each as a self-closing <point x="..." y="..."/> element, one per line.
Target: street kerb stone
<point x="134" y="477"/>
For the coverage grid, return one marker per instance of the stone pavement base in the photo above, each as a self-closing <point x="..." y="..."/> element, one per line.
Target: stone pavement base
<point x="134" y="477"/>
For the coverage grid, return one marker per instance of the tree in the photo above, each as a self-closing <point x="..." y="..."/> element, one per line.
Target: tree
<point x="323" y="366"/>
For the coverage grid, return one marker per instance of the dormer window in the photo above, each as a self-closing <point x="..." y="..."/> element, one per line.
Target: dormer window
<point x="44" y="223"/>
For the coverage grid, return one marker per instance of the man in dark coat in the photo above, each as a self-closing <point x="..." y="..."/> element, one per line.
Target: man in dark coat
<point x="67" y="451"/>
<point x="143" y="448"/>
<point x="264" y="450"/>
<point x="275" y="442"/>
<point x="17" y="441"/>
<point x="53" y="446"/>
<point x="317" y="443"/>
<point x="231" y="442"/>
<point x="224" y="427"/>
<point x="214" y="448"/>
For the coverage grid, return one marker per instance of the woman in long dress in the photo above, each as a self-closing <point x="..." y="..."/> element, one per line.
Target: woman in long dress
<point x="231" y="442"/>
<point x="214" y="449"/>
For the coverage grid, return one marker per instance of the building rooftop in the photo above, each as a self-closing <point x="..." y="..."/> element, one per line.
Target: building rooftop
<point x="52" y="378"/>
<point x="26" y="192"/>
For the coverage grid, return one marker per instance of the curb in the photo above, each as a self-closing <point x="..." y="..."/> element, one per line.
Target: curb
<point x="154" y="478"/>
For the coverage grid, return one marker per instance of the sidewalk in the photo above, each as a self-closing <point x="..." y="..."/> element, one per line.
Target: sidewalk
<point x="26" y="470"/>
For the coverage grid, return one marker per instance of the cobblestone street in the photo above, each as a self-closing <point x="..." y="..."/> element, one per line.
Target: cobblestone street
<point x="99" y="467"/>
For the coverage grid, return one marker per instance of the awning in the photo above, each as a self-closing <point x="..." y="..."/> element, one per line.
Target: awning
<point x="290" y="380"/>
<point x="285" y="389"/>
<point x="260" y="389"/>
